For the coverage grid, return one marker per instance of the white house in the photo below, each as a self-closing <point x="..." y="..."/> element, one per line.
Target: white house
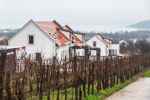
<point x="35" y="40"/>
<point x="106" y="46"/>
<point x="50" y="39"/>
<point x="114" y="49"/>
<point x="98" y="42"/>
<point x="47" y="38"/>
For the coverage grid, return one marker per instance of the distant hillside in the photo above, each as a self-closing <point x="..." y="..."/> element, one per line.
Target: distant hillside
<point x="8" y="32"/>
<point x="117" y="36"/>
<point x="128" y="35"/>
<point x="141" y="25"/>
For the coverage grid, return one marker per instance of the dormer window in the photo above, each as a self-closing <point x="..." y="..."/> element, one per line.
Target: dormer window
<point x="94" y="43"/>
<point x="31" y="39"/>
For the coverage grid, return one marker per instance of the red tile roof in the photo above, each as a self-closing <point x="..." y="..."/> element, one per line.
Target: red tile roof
<point x="53" y="28"/>
<point x="74" y="38"/>
<point x="60" y="38"/>
<point x="44" y="25"/>
<point x="57" y="32"/>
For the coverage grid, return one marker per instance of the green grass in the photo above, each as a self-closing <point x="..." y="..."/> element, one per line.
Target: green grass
<point x="107" y="92"/>
<point x="147" y="73"/>
<point x="92" y="97"/>
<point x="101" y="95"/>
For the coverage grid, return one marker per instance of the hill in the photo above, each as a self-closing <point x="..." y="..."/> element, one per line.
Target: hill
<point x="8" y="32"/>
<point x="128" y="35"/>
<point x="141" y="25"/>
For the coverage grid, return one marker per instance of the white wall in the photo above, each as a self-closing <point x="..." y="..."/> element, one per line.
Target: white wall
<point x="99" y="44"/>
<point x="80" y="52"/>
<point x="63" y="52"/>
<point x="115" y="47"/>
<point x="42" y="43"/>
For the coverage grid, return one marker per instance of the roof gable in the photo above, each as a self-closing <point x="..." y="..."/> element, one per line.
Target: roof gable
<point x="99" y="38"/>
<point x="54" y="31"/>
<point x="73" y="36"/>
<point x="56" y="24"/>
<point x="66" y="27"/>
<point x="32" y="22"/>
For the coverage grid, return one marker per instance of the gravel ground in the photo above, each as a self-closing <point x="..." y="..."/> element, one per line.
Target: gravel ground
<point x="139" y="90"/>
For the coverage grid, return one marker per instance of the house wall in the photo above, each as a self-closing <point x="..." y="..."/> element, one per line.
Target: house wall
<point x="99" y="44"/>
<point x="115" y="47"/>
<point x="63" y="52"/>
<point x="80" y="52"/>
<point x="42" y="43"/>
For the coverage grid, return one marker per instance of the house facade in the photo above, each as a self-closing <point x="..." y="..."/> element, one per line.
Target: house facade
<point x="47" y="38"/>
<point x="35" y="40"/>
<point x="98" y="42"/>
<point x="107" y="48"/>
<point x="114" y="50"/>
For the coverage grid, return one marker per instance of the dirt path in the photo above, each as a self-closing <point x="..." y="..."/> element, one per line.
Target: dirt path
<point x="139" y="90"/>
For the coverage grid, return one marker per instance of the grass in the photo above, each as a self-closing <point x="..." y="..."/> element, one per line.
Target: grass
<point x="107" y="92"/>
<point x="147" y="73"/>
<point x="101" y="95"/>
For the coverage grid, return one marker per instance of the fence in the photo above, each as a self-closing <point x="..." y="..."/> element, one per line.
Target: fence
<point x="71" y="79"/>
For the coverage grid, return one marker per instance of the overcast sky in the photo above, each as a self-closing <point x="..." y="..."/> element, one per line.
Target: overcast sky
<point x="14" y="13"/>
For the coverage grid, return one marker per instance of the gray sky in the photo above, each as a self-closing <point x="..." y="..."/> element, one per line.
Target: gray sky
<point x="14" y="13"/>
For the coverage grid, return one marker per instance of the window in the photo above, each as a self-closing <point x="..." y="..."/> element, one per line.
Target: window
<point x="94" y="43"/>
<point x="38" y="56"/>
<point x="31" y="39"/>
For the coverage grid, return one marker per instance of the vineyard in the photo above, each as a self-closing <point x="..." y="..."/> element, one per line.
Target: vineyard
<point x="68" y="79"/>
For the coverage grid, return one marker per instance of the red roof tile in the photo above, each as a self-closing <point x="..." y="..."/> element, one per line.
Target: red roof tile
<point x="44" y="25"/>
<point x="53" y="28"/>
<point x="75" y="39"/>
<point x="60" y="38"/>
